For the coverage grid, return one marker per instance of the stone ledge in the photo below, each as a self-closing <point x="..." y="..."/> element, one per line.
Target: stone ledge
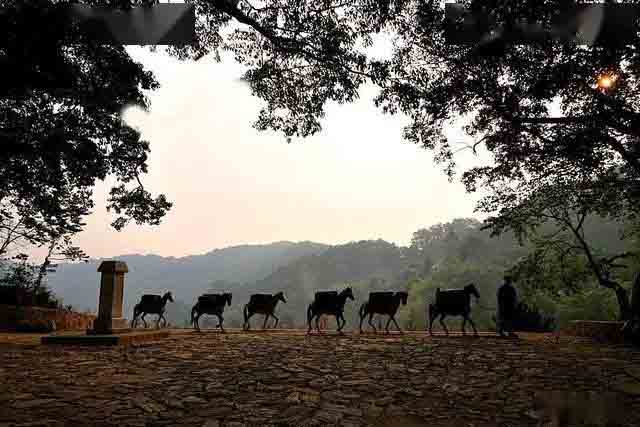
<point x="101" y="340"/>
<point x="603" y="331"/>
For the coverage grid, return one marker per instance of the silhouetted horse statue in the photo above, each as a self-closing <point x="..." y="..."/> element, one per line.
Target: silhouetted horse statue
<point x="453" y="302"/>
<point x="262" y="304"/>
<point x="151" y="304"/>
<point x="212" y="304"/>
<point x="331" y="303"/>
<point x="385" y="303"/>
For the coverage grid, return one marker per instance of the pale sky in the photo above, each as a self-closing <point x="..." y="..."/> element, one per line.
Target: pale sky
<point x="232" y="185"/>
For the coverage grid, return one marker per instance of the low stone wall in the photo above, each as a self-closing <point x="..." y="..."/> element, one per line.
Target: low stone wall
<point x="603" y="331"/>
<point x="11" y="317"/>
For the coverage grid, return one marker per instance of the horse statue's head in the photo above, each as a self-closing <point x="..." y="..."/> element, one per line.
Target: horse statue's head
<point x="471" y="289"/>
<point x="348" y="293"/>
<point x="227" y="297"/>
<point x="168" y="296"/>
<point x="280" y="297"/>
<point x="403" y="297"/>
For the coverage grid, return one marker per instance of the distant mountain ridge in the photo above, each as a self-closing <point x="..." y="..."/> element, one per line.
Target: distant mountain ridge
<point x="446" y="255"/>
<point x="365" y="265"/>
<point x="187" y="277"/>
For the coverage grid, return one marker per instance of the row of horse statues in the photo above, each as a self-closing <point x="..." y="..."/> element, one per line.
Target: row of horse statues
<point x="449" y="302"/>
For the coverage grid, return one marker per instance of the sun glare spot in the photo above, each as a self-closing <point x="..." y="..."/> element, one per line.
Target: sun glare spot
<point x="133" y="115"/>
<point x="607" y="81"/>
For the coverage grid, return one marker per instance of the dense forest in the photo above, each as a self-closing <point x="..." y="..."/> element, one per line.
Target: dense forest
<point x="442" y="256"/>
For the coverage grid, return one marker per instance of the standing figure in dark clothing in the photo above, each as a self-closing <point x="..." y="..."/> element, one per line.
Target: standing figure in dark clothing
<point x="507" y="301"/>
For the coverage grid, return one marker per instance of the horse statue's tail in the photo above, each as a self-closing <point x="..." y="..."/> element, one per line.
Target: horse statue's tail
<point x="135" y="315"/>
<point x="309" y="315"/>
<point x="245" y="311"/>
<point x="431" y="314"/>
<point x="194" y="310"/>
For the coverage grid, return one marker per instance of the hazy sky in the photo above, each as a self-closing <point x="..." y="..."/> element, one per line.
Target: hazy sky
<point x="232" y="185"/>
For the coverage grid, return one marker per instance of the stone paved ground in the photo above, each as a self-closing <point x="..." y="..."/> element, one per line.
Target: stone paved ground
<point x="262" y="379"/>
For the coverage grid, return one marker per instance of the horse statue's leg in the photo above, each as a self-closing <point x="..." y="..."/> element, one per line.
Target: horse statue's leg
<point x="248" y="321"/>
<point x="134" y="321"/>
<point x="247" y="316"/>
<point x="196" y="321"/>
<point x="144" y="321"/>
<point x="432" y="317"/>
<point x="194" y="310"/>
<point x="164" y="320"/>
<point x="427" y="316"/>
<point x="371" y="323"/>
<point x="442" y="316"/>
<point x="475" y="331"/>
<point x="340" y="326"/>
<point x="220" y="320"/>
<point x="309" y="325"/>
<point x="277" y="320"/>
<point x="387" y="327"/>
<point x="464" y="324"/>
<point x="396" y="323"/>
<point x="310" y="315"/>
<point x="264" y="325"/>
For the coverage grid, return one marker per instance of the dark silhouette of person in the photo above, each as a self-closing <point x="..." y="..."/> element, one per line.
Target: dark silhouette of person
<point x="507" y="301"/>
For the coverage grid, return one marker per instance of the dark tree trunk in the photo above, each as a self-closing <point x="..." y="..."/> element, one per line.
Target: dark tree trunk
<point x="603" y="277"/>
<point x="623" y="303"/>
<point x="635" y="297"/>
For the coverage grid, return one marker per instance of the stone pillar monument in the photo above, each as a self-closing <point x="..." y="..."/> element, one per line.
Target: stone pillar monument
<point x="110" y="317"/>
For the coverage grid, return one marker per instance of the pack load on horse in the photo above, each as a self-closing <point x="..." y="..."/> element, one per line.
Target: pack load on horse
<point x="329" y="303"/>
<point x="211" y="304"/>
<point x="262" y="304"/>
<point x="453" y="302"/>
<point x="151" y="304"/>
<point x="384" y="303"/>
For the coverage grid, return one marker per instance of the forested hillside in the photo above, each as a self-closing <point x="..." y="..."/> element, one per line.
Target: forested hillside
<point x="358" y="263"/>
<point x="187" y="277"/>
<point x="447" y="255"/>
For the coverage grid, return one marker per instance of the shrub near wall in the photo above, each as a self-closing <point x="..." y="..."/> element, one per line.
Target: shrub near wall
<point x="17" y="318"/>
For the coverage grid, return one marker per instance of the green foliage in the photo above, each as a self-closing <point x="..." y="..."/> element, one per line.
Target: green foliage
<point x="454" y="273"/>
<point x="569" y="246"/>
<point x="299" y="270"/>
<point x="20" y="284"/>
<point x="593" y="303"/>
<point x="61" y="130"/>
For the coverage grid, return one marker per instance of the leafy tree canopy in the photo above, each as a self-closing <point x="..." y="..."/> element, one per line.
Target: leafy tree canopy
<point x="63" y="122"/>
<point x="60" y="127"/>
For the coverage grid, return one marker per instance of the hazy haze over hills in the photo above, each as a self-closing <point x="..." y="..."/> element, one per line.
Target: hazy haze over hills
<point x="187" y="277"/>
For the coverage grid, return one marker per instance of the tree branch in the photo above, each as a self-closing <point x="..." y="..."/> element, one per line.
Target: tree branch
<point x="283" y="44"/>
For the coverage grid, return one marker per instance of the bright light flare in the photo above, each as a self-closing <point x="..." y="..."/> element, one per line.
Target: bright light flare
<point x="607" y="81"/>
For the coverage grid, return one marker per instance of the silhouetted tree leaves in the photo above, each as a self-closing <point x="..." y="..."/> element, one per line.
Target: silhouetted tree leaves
<point x="60" y="126"/>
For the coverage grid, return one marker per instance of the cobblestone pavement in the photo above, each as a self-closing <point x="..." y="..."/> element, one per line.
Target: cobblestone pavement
<point x="289" y="379"/>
